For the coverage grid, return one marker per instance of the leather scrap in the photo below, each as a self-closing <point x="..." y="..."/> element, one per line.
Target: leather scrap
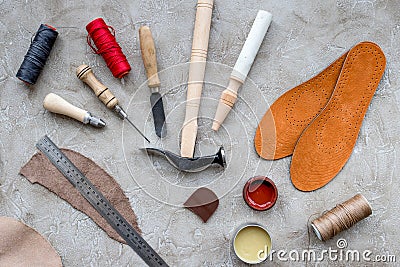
<point x="40" y="170"/>
<point x="327" y="143"/>
<point x="20" y="245"/>
<point x="203" y="202"/>
<point x="283" y="123"/>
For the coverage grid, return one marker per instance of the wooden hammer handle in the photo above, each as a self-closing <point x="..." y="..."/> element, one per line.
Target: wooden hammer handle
<point x="85" y="73"/>
<point x="197" y="67"/>
<point x="148" y="50"/>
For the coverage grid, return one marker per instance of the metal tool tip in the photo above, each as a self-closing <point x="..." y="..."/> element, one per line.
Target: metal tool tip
<point x="97" y="122"/>
<point x="221" y="156"/>
<point x="133" y="125"/>
<point x="102" y="123"/>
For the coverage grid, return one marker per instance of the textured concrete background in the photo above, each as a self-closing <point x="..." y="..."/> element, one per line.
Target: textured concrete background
<point x="304" y="37"/>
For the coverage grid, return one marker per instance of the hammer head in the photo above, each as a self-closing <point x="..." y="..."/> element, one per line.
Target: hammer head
<point x="191" y="164"/>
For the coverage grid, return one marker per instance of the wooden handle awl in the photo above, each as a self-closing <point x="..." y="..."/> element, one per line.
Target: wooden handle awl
<point x="148" y="50"/>
<point x="56" y="104"/>
<point x="242" y="66"/>
<point x="85" y="73"/>
<point x="197" y="67"/>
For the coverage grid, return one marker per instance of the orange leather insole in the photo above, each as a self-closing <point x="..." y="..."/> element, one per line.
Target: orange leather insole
<point x="326" y="144"/>
<point x="281" y="126"/>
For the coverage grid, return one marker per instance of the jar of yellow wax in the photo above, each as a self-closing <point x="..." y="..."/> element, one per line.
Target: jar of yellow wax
<point x="252" y="243"/>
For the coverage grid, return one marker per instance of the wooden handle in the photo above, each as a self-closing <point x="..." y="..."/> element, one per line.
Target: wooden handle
<point x="252" y="45"/>
<point x="56" y="104"/>
<point x="242" y="66"/>
<point x="226" y="102"/>
<point x="85" y="73"/>
<point x="197" y="68"/>
<point x="149" y="56"/>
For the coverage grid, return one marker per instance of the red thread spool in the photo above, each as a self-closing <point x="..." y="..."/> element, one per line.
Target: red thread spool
<point x="103" y="37"/>
<point x="260" y="193"/>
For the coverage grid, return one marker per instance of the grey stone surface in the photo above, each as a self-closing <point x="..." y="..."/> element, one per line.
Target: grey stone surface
<point x="304" y="37"/>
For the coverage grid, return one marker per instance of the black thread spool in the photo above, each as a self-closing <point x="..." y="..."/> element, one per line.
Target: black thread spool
<point x="37" y="54"/>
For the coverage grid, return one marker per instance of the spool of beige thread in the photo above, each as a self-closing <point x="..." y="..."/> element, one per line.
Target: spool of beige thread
<point x="342" y="217"/>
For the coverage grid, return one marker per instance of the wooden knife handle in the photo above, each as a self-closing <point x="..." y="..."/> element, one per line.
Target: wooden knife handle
<point x="149" y="56"/>
<point x="85" y="74"/>
<point x="56" y="104"/>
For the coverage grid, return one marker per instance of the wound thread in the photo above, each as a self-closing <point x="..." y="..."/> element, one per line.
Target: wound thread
<point x="103" y="37"/>
<point x="342" y="217"/>
<point x="37" y="54"/>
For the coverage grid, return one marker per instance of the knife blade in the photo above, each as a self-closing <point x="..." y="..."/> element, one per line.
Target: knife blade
<point x="148" y="50"/>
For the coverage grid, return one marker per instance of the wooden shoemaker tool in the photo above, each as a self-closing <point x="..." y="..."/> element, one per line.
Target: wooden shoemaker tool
<point x="197" y="67"/>
<point x="56" y="104"/>
<point x="242" y="66"/>
<point x="85" y="74"/>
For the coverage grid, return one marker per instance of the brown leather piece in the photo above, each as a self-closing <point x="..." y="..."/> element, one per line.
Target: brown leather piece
<point x="203" y="202"/>
<point x="40" y="170"/>
<point x="282" y="125"/>
<point x="326" y="144"/>
<point x="20" y="245"/>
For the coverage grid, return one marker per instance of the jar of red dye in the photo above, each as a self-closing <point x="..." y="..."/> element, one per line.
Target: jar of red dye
<point x="260" y="193"/>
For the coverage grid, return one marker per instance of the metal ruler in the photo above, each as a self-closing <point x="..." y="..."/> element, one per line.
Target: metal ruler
<point x="99" y="202"/>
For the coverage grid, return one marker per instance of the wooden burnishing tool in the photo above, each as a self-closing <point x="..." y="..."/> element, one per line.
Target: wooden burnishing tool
<point x="148" y="50"/>
<point x="56" y="104"/>
<point x="242" y="66"/>
<point x="196" y="75"/>
<point x="85" y="74"/>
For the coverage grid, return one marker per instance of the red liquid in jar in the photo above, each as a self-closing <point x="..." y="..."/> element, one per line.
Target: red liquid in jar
<point x="261" y="194"/>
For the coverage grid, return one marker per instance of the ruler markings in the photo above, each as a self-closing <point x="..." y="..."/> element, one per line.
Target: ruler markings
<point x="99" y="202"/>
